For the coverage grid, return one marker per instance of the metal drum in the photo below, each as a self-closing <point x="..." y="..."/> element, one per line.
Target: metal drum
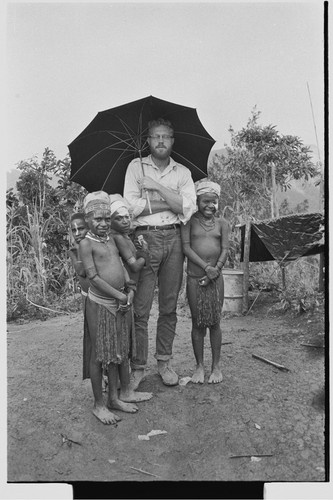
<point x="233" y="290"/>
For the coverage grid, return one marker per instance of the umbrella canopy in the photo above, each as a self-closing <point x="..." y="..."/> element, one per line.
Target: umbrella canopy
<point x="101" y="153"/>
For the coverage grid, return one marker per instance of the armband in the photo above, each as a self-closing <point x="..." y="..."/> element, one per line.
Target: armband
<point x="91" y="272"/>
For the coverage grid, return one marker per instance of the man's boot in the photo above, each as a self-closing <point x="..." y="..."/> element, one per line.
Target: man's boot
<point x="169" y="376"/>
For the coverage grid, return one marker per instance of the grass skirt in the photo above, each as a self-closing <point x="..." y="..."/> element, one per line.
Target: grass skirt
<point x="112" y="339"/>
<point x="209" y="304"/>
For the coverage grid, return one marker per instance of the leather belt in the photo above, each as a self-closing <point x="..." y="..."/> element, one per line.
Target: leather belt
<point x="157" y="228"/>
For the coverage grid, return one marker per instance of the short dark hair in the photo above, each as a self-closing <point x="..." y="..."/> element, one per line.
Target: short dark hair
<point x="78" y="216"/>
<point x="158" y="122"/>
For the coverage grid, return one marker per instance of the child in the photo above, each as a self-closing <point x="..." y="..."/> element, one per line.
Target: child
<point x="205" y="244"/>
<point x="79" y="229"/>
<point x="134" y="258"/>
<point x="107" y="311"/>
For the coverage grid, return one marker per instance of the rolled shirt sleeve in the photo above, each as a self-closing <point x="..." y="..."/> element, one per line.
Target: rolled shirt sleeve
<point x="187" y="191"/>
<point x="175" y="177"/>
<point x="132" y="193"/>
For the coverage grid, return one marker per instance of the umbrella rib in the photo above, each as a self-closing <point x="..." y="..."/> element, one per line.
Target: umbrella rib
<point x="194" y="135"/>
<point x="112" y="168"/>
<point x="110" y="132"/>
<point x="94" y="156"/>
<point x="189" y="161"/>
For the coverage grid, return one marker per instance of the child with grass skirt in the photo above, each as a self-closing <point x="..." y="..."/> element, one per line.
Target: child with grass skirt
<point x="205" y="241"/>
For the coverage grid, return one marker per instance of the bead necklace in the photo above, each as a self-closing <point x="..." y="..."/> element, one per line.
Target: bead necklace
<point x="95" y="237"/>
<point x="206" y="224"/>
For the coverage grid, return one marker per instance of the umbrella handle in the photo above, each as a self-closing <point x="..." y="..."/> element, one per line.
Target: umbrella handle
<point x="148" y="200"/>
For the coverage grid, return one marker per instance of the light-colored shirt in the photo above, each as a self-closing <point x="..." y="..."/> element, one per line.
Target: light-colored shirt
<point x="175" y="177"/>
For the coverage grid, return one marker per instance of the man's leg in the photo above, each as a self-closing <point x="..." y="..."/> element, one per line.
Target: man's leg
<point x="143" y="300"/>
<point x="170" y="281"/>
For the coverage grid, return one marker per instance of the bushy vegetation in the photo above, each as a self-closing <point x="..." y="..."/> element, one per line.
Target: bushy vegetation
<point x="301" y="291"/>
<point x="40" y="279"/>
<point x="258" y="162"/>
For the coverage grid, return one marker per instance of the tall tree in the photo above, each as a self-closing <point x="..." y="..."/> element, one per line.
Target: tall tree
<point x="259" y="161"/>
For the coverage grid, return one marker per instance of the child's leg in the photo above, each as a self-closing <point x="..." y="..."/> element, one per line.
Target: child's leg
<point x="95" y="369"/>
<point x="215" y="342"/>
<point x="126" y="392"/>
<point x="198" y="337"/>
<point x="198" y="333"/>
<point x="113" y="401"/>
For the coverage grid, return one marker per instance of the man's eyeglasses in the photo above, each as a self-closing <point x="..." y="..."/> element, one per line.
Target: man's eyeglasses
<point x="163" y="137"/>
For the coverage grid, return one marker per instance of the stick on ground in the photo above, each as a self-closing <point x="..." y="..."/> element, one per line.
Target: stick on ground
<point x="252" y="455"/>
<point x="144" y="472"/>
<point x="280" y="367"/>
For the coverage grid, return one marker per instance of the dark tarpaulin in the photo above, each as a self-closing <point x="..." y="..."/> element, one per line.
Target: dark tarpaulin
<point x="285" y="238"/>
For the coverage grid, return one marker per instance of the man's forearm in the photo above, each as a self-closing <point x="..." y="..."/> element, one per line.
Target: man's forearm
<point x="156" y="206"/>
<point x="173" y="200"/>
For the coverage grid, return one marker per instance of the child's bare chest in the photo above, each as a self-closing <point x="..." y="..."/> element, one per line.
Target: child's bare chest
<point x="205" y="230"/>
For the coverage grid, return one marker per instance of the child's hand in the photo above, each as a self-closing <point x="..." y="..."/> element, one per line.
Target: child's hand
<point x="130" y="297"/>
<point x="144" y="255"/>
<point x="124" y="307"/>
<point x="123" y="300"/>
<point x="212" y="272"/>
<point x="140" y="243"/>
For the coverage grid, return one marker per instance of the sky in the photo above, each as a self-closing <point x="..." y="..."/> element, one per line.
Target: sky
<point x="68" y="60"/>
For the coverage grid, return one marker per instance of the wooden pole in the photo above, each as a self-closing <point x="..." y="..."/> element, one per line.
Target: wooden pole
<point x="246" y="270"/>
<point x="321" y="197"/>
<point x="274" y="208"/>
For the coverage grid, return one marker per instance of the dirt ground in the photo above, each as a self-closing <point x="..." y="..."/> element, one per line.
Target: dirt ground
<point x="256" y="410"/>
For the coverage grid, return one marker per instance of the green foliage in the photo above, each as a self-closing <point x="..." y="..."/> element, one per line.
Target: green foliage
<point x="245" y="170"/>
<point x="38" y="268"/>
<point x="301" y="292"/>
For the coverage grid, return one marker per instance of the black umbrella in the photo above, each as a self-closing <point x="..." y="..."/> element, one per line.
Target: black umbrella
<point x="102" y="152"/>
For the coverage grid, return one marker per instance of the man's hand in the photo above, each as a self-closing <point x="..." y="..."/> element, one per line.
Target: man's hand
<point x="148" y="183"/>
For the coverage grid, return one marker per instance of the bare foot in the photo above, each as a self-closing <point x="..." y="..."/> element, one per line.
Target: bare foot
<point x="136" y="377"/>
<point x="216" y="376"/>
<point x="198" y="376"/>
<point x="116" y="404"/>
<point x="105" y="416"/>
<point x="135" y="397"/>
